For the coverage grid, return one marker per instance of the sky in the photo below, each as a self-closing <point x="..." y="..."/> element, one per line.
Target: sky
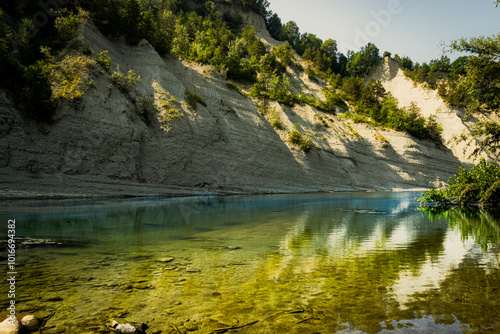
<point x="416" y="28"/>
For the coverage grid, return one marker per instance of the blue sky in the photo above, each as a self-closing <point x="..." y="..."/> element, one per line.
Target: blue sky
<point x="414" y="28"/>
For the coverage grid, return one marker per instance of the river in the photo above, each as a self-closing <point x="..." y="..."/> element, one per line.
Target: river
<point x="366" y="262"/>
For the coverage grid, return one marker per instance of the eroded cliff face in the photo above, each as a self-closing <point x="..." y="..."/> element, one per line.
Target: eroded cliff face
<point x="453" y="119"/>
<point x="103" y="147"/>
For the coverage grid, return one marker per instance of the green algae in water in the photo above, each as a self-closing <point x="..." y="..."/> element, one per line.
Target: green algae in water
<point x="367" y="262"/>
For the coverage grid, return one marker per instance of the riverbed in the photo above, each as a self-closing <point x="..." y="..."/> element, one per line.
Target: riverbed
<point x="365" y="262"/>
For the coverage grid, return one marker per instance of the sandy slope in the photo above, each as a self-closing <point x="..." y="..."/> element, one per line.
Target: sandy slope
<point x="103" y="148"/>
<point x="428" y="100"/>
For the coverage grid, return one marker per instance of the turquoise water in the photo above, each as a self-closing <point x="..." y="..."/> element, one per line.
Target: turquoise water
<point x="323" y="263"/>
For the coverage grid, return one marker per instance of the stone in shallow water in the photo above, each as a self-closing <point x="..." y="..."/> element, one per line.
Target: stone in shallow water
<point x="233" y="247"/>
<point x="123" y="328"/>
<point x="142" y="286"/>
<point x="30" y="322"/>
<point x="191" y="326"/>
<point x="166" y="259"/>
<point x="10" y="326"/>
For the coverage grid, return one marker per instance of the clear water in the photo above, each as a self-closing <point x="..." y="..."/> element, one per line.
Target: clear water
<point x="328" y="263"/>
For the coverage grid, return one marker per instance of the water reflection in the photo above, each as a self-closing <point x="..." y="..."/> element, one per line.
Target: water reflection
<point x="327" y="263"/>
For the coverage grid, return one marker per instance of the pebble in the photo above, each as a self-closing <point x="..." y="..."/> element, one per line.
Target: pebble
<point x="30" y="322"/>
<point x="125" y="328"/>
<point x="166" y="259"/>
<point x="7" y="328"/>
<point x="233" y="247"/>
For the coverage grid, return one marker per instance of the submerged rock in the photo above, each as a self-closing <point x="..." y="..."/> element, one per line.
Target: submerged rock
<point x="166" y="259"/>
<point x="142" y="286"/>
<point x="191" y="326"/>
<point x="30" y="322"/>
<point x="123" y="328"/>
<point x="10" y="326"/>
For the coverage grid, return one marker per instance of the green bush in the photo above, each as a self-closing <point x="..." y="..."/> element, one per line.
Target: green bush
<point x="480" y="184"/>
<point x="275" y="119"/>
<point x="67" y="23"/>
<point x="492" y="195"/>
<point x="125" y="83"/>
<point x="104" y="60"/>
<point x="86" y="50"/>
<point x="306" y="143"/>
<point x="469" y="194"/>
<point x="279" y="90"/>
<point x="70" y="76"/>
<point x="437" y="196"/>
<point x="297" y="138"/>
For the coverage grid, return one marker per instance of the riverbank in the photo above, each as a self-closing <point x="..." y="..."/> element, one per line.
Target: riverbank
<point x="26" y="186"/>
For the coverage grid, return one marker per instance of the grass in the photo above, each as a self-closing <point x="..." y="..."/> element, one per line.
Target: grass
<point x="168" y="106"/>
<point x="275" y="119"/>
<point x="193" y="99"/>
<point x="304" y="142"/>
<point x="381" y="139"/>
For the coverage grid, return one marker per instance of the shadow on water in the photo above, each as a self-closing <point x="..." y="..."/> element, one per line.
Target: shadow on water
<point x="323" y="263"/>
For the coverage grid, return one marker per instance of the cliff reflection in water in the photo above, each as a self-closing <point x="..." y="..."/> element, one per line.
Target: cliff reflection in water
<point x="283" y="264"/>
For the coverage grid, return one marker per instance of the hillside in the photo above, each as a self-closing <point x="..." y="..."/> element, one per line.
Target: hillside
<point x="104" y="146"/>
<point x="430" y="103"/>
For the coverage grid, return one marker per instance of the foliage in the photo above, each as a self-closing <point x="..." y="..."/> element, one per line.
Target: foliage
<point x="285" y="54"/>
<point x="362" y="62"/>
<point x="70" y="76"/>
<point x="36" y="95"/>
<point x="275" y="87"/>
<point x="146" y="108"/>
<point x="484" y="47"/>
<point x="405" y="62"/>
<point x="125" y="83"/>
<point x="86" y="50"/>
<point x="259" y="6"/>
<point x="488" y="133"/>
<point x="470" y="81"/>
<point x="168" y="106"/>
<point x="104" y="60"/>
<point x="374" y="105"/>
<point x="193" y="99"/>
<point x="67" y="22"/>
<point x="480" y="184"/>
<point x="297" y="138"/>
<point x="279" y="90"/>
<point x="437" y="196"/>
<point x="492" y="195"/>
<point x="275" y="120"/>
